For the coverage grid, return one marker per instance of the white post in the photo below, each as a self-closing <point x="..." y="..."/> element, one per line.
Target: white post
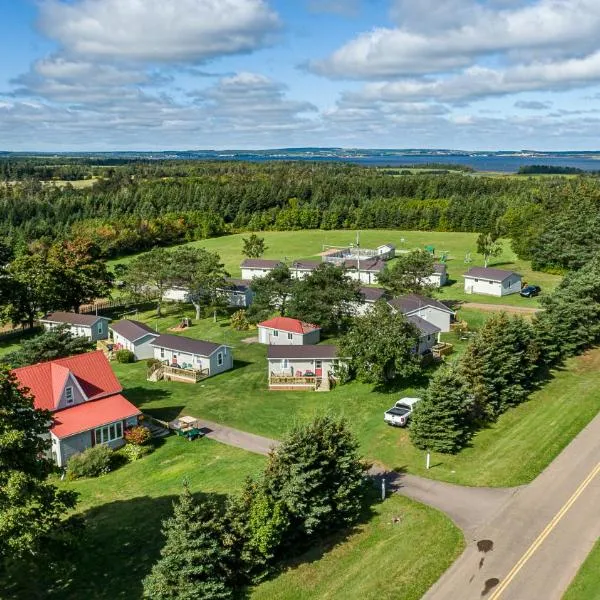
<point x="428" y="460"/>
<point x="383" y="488"/>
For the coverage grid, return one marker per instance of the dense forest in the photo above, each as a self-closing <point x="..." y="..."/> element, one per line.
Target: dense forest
<point x="137" y="204"/>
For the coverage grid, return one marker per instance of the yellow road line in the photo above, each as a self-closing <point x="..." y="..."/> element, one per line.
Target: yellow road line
<point x="547" y="530"/>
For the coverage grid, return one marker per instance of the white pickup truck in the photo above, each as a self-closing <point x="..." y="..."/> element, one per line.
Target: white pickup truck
<point x="399" y="414"/>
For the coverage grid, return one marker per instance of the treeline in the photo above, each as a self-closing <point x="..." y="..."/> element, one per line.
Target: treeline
<point x="136" y="205"/>
<point x="549" y="170"/>
<point x="507" y="359"/>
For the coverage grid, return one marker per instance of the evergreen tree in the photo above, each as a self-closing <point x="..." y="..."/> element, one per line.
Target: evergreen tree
<point x="326" y="297"/>
<point x="380" y="346"/>
<point x="195" y="562"/>
<point x="440" y="422"/>
<point x="409" y="274"/>
<point x="32" y="510"/>
<point x="50" y="345"/>
<point x="317" y="474"/>
<point x="499" y="364"/>
<point x="254" y="246"/>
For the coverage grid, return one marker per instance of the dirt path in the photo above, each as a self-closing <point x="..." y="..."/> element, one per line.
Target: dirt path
<point x="515" y="310"/>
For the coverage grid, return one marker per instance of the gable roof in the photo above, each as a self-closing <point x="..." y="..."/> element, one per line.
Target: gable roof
<point x="46" y="381"/>
<point x="366" y="264"/>
<point x="372" y="294"/>
<point x="186" y="344"/>
<point x="133" y="330"/>
<point x="260" y="263"/>
<point x="89" y="415"/>
<point x="72" y="318"/>
<point x="491" y="274"/>
<point x="414" y="302"/>
<point x="310" y="352"/>
<point x="424" y="327"/>
<point x="288" y="324"/>
<point x="306" y="265"/>
<point x="236" y="285"/>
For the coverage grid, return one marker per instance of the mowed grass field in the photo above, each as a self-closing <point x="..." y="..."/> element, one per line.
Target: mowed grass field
<point x="586" y="585"/>
<point x="293" y="245"/>
<point x="123" y="511"/>
<point x="510" y="452"/>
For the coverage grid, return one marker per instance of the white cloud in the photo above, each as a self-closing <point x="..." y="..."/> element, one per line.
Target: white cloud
<point x="447" y="41"/>
<point x="158" y="31"/>
<point x="532" y="105"/>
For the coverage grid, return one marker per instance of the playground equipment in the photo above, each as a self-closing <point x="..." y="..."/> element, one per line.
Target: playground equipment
<point x="430" y="249"/>
<point x="468" y="258"/>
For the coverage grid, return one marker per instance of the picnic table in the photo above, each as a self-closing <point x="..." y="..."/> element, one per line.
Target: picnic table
<point x="187" y="427"/>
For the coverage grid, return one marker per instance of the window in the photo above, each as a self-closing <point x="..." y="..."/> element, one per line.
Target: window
<point x="284" y="363"/>
<point x="318" y="364"/>
<point x="219" y="358"/>
<point x="275" y="333"/>
<point x="109" y="433"/>
<point x="69" y="395"/>
<point x="162" y="352"/>
<point x="290" y="336"/>
<point x="476" y="280"/>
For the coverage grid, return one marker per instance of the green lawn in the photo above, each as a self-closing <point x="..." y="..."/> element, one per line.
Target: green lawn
<point x="240" y="398"/>
<point x="291" y="245"/>
<point x="382" y="559"/>
<point x="586" y="585"/>
<point x="124" y="509"/>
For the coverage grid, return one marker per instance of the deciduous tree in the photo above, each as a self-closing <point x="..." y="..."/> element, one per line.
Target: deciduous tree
<point x="271" y="294"/>
<point x="254" y="246"/>
<point x="488" y="246"/>
<point x="409" y="274"/>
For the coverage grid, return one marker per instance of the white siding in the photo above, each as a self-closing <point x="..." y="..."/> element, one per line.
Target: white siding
<point x="364" y="276"/>
<point x="252" y="273"/>
<point x="196" y="361"/>
<point x="176" y="294"/>
<point x="298" y="366"/>
<point x="511" y="285"/>
<point x="278" y="337"/>
<point x="433" y="315"/>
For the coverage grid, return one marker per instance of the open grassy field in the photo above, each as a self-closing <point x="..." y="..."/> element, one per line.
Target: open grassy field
<point x="379" y="560"/>
<point x="124" y="509"/>
<point x="293" y="245"/>
<point x="240" y="398"/>
<point x="586" y="585"/>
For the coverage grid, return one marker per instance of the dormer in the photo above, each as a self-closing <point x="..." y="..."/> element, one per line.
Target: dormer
<point x="66" y="390"/>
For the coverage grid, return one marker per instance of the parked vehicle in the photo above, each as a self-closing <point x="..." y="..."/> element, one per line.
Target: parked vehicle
<point x="529" y="291"/>
<point x="399" y="414"/>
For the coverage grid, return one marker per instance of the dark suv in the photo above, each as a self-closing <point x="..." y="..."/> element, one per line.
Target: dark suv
<point x="529" y="291"/>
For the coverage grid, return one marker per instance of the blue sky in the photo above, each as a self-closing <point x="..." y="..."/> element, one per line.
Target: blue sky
<point x="181" y="74"/>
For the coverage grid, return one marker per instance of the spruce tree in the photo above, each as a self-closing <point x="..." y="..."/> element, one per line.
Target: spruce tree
<point x="195" y="562"/>
<point x="440" y="422"/>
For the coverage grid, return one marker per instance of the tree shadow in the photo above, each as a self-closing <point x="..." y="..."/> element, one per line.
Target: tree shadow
<point x="140" y="395"/>
<point x="164" y="413"/>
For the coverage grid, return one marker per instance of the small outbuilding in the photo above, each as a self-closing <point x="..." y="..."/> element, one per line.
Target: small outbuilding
<point x="439" y="277"/>
<point x="428" y="333"/>
<point x="284" y="331"/>
<point x="134" y="336"/>
<point x="302" y="268"/>
<point x="492" y="282"/>
<point x="369" y="296"/>
<point x="93" y="327"/>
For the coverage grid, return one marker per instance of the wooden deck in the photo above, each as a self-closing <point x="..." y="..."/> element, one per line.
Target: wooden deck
<point x="168" y="373"/>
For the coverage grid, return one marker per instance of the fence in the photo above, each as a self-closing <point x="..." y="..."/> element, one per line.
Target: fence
<point x="19" y="332"/>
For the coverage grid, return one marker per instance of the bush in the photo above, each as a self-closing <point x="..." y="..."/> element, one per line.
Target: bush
<point x="125" y="356"/>
<point x="92" y="462"/>
<point x="239" y="321"/>
<point x="133" y="452"/>
<point x="138" y="435"/>
<point x="150" y="362"/>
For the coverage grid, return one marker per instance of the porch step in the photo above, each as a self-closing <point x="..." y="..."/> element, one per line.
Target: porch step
<point x="156" y="430"/>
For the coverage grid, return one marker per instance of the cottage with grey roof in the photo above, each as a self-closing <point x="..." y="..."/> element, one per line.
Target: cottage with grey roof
<point x="134" y="336"/>
<point x="428" y="333"/>
<point x="430" y="310"/>
<point x="92" y="327"/>
<point x="258" y="267"/>
<point x="186" y="359"/>
<point x="492" y="282"/>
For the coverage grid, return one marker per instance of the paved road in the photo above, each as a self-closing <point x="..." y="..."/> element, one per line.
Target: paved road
<point x="516" y="310"/>
<point x="524" y="543"/>
<point x="534" y="545"/>
<point x="237" y="438"/>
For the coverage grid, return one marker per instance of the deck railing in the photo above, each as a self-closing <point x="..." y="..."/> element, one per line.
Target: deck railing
<point x="289" y="380"/>
<point x="168" y="372"/>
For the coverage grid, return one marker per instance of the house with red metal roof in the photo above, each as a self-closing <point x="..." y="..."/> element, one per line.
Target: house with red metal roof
<point x="84" y="397"/>
<point x="284" y="331"/>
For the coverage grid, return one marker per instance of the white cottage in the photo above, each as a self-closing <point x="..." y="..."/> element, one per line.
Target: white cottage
<point x="237" y="293"/>
<point x="258" y="267"/>
<point x="93" y="327"/>
<point x="185" y="353"/>
<point x="492" y="282"/>
<point x="428" y="333"/>
<point x="302" y="268"/>
<point x="369" y="296"/>
<point x="134" y="336"/>
<point x="365" y="270"/>
<point x="310" y="368"/>
<point x="439" y="277"/>
<point x="284" y="331"/>
<point x="428" y="309"/>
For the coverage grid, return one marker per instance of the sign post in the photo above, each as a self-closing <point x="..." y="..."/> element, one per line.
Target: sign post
<point x="428" y="460"/>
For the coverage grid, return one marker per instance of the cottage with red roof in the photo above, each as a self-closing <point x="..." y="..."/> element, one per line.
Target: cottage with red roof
<point x="84" y="397"/>
<point x="283" y="331"/>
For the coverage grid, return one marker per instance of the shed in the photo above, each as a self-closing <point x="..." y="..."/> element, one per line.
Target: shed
<point x="492" y="282"/>
<point x="134" y="336"/>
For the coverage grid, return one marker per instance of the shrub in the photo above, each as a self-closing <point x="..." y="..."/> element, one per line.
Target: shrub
<point x="92" y="462"/>
<point x="150" y="362"/>
<point x="125" y="356"/>
<point x="138" y="435"/>
<point x="239" y="322"/>
<point x="133" y="452"/>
